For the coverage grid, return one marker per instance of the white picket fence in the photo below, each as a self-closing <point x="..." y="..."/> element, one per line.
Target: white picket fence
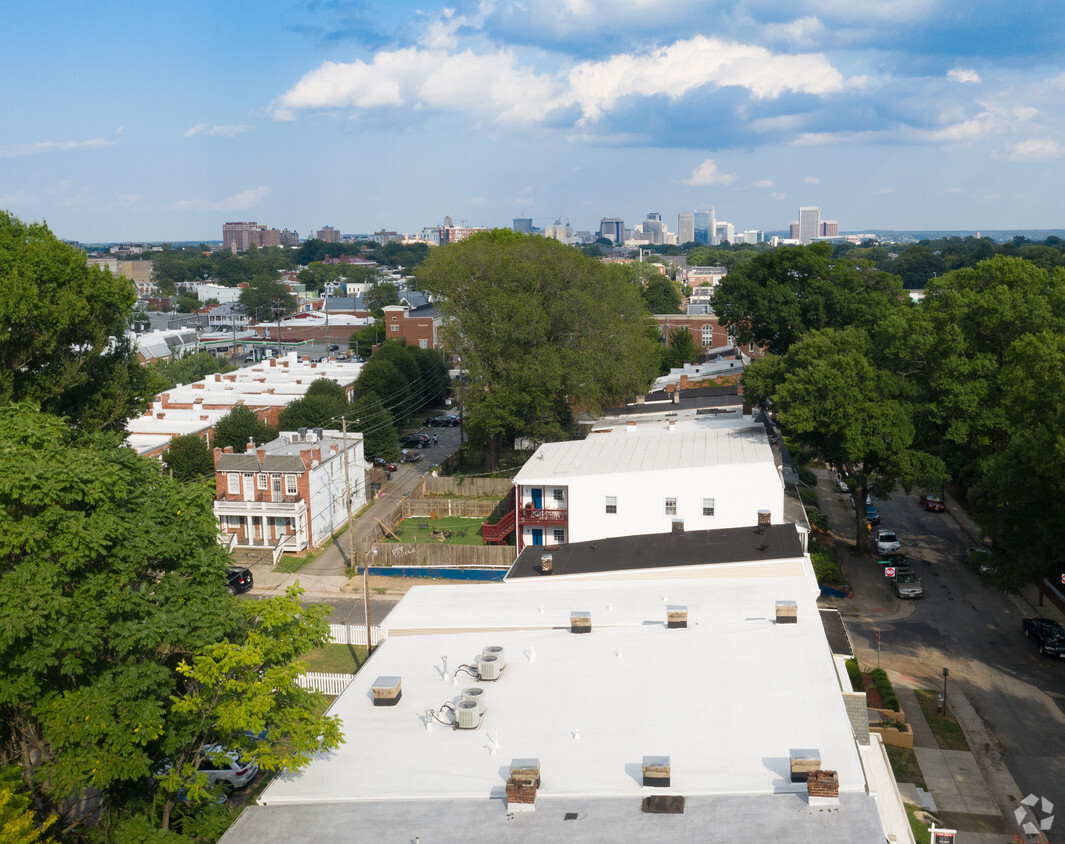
<point x="350" y="634"/>
<point x="330" y="684"/>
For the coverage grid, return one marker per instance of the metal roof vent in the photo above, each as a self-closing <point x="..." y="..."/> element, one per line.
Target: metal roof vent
<point x="656" y="771"/>
<point x="546" y="564"/>
<point x="580" y="622"/>
<point x="488" y="667"/>
<point x="803" y="761"/>
<point x="386" y="691"/>
<point x="498" y="652"/>
<point x="787" y="612"/>
<point x="676" y="617"/>
<point x="302" y="432"/>
<point x="476" y="695"/>
<point x="466" y="715"/>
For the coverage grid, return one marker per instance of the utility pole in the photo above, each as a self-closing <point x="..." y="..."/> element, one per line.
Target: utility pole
<point x="351" y="538"/>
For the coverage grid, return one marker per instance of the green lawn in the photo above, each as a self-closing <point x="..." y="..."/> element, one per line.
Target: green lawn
<point x="904" y="764"/>
<point x="336" y="659"/>
<point x="920" y="831"/>
<point x="945" y="728"/>
<point x="419" y="528"/>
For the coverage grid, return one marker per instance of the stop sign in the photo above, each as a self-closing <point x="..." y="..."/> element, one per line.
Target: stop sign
<point x="889" y="571"/>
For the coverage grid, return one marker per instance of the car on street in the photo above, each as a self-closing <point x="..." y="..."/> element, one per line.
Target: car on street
<point x="239" y="580"/>
<point x="444" y="420"/>
<point x="1047" y="633"/>
<point x="333" y="347"/>
<point x="228" y="766"/>
<point x="415" y="441"/>
<point x="410" y="455"/>
<point x="387" y="465"/>
<point x="872" y="515"/>
<point x="906" y="584"/>
<point x="932" y="503"/>
<point x="886" y="541"/>
<point x="841" y="482"/>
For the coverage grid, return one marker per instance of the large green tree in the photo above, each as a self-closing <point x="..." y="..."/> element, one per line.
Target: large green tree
<point x="539" y="328"/>
<point x="240" y="426"/>
<point x="832" y="396"/>
<point x="189" y="458"/>
<point x="780" y="295"/>
<point x="62" y="327"/>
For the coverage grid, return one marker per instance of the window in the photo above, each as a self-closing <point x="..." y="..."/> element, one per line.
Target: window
<point x="708" y="335"/>
<point x="233" y="481"/>
<point x="423" y="344"/>
<point x="290" y="485"/>
<point x="671" y="506"/>
<point x="560" y="536"/>
<point x="394" y="327"/>
<point x="558" y="494"/>
<point x="260" y="481"/>
<point x="611" y="505"/>
<point x="708" y="506"/>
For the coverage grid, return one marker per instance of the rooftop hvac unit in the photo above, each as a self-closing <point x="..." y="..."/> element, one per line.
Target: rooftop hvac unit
<point x="466" y="715"/>
<point x="488" y="667"/>
<point x="498" y="653"/>
<point x="476" y="695"/>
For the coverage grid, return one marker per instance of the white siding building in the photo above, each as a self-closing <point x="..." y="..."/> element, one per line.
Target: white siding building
<point x="640" y="479"/>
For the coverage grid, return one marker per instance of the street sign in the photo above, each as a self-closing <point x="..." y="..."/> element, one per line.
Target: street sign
<point x="889" y="571"/>
<point x="1063" y="580"/>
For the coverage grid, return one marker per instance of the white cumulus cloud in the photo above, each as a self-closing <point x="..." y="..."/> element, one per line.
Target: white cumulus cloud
<point x="812" y="180"/>
<point x="961" y="74"/>
<point x="764" y="183"/>
<point x="1035" y="149"/>
<point x="238" y="202"/>
<point x="19" y="150"/>
<point x="708" y="174"/>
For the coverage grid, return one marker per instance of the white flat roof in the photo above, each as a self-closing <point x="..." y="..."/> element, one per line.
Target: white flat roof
<point x="726" y="699"/>
<point x="682" y="448"/>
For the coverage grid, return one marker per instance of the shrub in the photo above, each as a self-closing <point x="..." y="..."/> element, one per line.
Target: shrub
<point x="806" y="475"/>
<point x="817" y="518"/>
<point x="826" y="567"/>
<point x="887" y="691"/>
<point x="809" y="497"/>
<point x="855" y="673"/>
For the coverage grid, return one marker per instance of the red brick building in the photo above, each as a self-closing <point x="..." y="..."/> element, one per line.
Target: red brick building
<point x="418" y="326"/>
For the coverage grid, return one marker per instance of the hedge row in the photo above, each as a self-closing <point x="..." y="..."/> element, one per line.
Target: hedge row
<point x="887" y="692"/>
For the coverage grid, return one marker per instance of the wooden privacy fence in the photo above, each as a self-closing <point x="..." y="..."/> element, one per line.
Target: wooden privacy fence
<point x="330" y="684"/>
<point x="446" y="507"/>
<point x="467" y="487"/>
<point x="435" y="554"/>
<point x="353" y="634"/>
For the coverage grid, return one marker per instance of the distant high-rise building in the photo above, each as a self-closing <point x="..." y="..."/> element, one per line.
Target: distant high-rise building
<point x="705" y="227"/>
<point x="613" y="229"/>
<point x="809" y="223"/>
<point x="830" y="228"/>
<point x="523" y="225"/>
<point x="290" y="238"/>
<point x="793" y="231"/>
<point x="237" y="237"/>
<point x="329" y="235"/>
<point x="559" y="231"/>
<point x="724" y="233"/>
<point x="654" y="229"/>
<point x="685" y="227"/>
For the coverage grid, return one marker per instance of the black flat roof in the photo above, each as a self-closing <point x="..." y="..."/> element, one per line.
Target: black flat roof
<point x="662" y="550"/>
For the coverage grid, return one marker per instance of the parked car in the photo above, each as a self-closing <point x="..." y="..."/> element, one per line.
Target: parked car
<point x="1048" y="634"/>
<point x="886" y="541"/>
<point x="444" y="420"/>
<point x="932" y="503"/>
<point x="228" y="766"/>
<point x="872" y="515"/>
<point x="415" y="441"/>
<point x="907" y="584"/>
<point x="410" y="455"/>
<point x="841" y="482"/>
<point x="239" y="580"/>
<point x="333" y="347"/>
<point x="387" y="465"/>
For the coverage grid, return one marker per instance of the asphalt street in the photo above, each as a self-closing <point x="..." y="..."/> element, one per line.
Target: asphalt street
<point x="972" y="630"/>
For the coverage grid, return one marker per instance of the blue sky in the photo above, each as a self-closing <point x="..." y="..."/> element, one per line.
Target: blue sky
<point x="146" y="121"/>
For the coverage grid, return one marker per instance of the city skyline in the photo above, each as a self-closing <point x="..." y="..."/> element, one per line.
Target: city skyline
<point x="144" y="123"/>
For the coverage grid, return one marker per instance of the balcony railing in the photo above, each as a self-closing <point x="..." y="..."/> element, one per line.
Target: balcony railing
<point x="236" y="506"/>
<point x="261" y="496"/>
<point x="531" y="516"/>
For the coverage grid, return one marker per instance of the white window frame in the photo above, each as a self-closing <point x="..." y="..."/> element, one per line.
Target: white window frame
<point x="291" y="485"/>
<point x="558" y="535"/>
<point x="394" y="327"/>
<point x="233" y="483"/>
<point x="423" y="344"/>
<point x="671" y="506"/>
<point x="709" y="504"/>
<point x="610" y="506"/>
<point x="261" y="481"/>
<point x="708" y="335"/>
<point x="558" y="494"/>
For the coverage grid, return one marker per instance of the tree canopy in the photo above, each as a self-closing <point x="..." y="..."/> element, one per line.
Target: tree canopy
<point x="189" y="458"/>
<point x="62" y="327"/>
<point x="239" y="426"/>
<point x="539" y="328"/>
<point x="123" y="652"/>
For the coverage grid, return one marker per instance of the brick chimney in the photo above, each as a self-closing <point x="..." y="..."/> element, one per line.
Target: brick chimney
<point x="683" y="382"/>
<point x="765" y="517"/>
<point x="316" y="454"/>
<point x="261" y="454"/>
<point x="217" y="454"/>
<point x="227" y="450"/>
<point x="249" y="447"/>
<point x="521" y="796"/>
<point x="822" y="788"/>
<point x="306" y="457"/>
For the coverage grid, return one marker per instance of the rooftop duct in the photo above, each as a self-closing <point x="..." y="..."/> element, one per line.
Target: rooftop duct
<point x="386" y="691"/>
<point x="580" y="622"/>
<point x="676" y="617"/>
<point x="656" y="771"/>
